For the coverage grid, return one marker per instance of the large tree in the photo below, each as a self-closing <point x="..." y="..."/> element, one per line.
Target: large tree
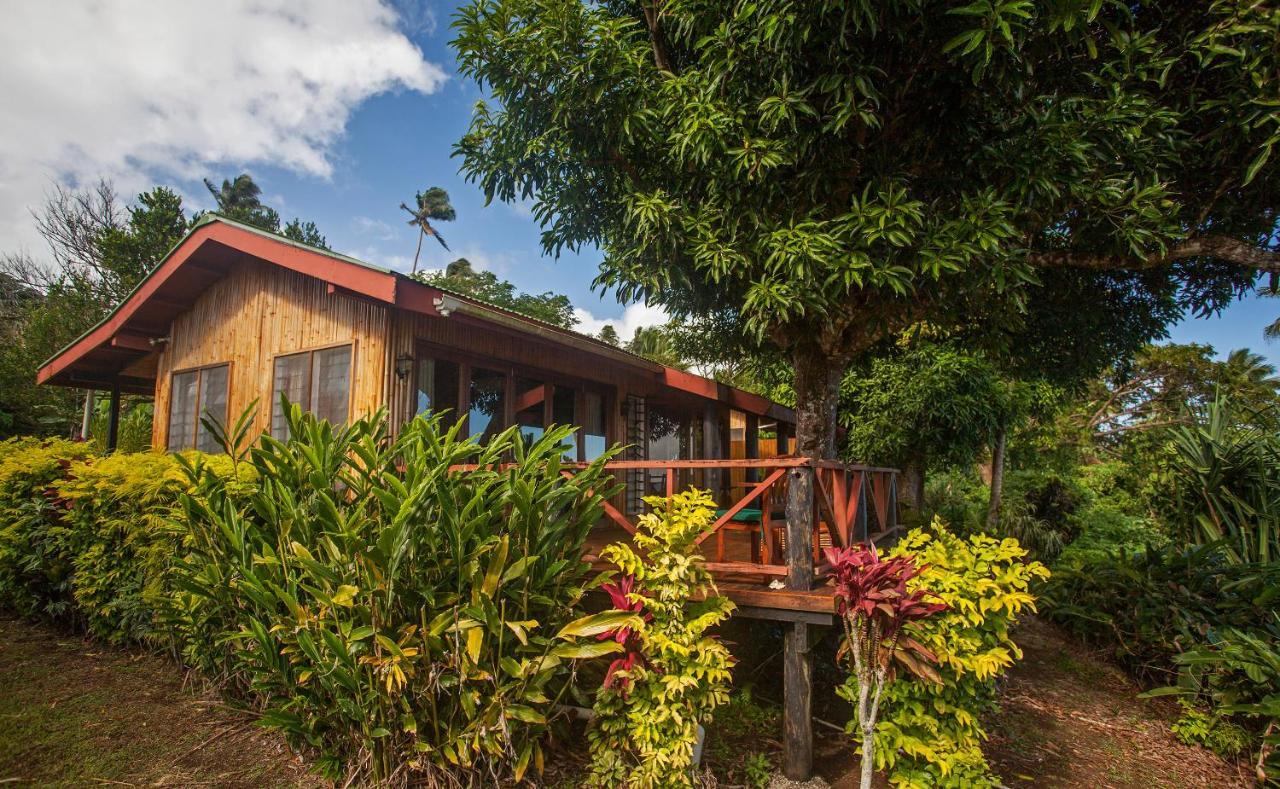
<point x="833" y="172"/>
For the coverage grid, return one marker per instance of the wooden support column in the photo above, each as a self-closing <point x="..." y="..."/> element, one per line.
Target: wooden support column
<point x="86" y="422"/>
<point x="797" y="716"/>
<point x="113" y="417"/>
<point x="797" y="677"/>
<point x="752" y="440"/>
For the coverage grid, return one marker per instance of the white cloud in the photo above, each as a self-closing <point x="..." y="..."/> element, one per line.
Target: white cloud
<point x="633" y="317"/>
<point x="141" y="92"/>
<point x="376" y="228"/>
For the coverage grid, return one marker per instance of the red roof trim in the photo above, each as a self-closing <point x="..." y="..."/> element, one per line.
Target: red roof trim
<point x="367" y="282"/>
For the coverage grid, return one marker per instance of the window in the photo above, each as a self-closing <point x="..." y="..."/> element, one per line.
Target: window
<point x="488" y="402"/>
<point x="193" y="395"/>
<point x="491" y="396"/>
<point x="437" y="388"/>
<point x="319" y="381"/>
<point x="594" y="438"/>
<point x="562" y="405"/>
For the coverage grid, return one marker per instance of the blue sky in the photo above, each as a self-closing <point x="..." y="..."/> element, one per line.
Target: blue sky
<point x="349" y="110"/>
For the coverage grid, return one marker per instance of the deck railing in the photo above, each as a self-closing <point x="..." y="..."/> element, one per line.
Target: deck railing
<point x="846" y="504"/>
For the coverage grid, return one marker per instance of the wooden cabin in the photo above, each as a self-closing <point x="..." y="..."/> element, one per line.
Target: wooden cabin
<point x="235" y="315"/>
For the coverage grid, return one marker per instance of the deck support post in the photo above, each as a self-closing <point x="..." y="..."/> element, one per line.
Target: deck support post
<point x="797" y="719"/>
<point x="113" y="416"/>
<point x="797" y="673"/>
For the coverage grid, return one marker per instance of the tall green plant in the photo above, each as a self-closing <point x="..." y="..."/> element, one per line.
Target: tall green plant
<point x="399" y="605"/>
<point x="675" y="674"/>
<point x="1228" y="476"/>
<point x="930" y="733"/>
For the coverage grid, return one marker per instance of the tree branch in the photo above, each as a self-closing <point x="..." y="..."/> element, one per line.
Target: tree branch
<point x="660" y="56"/>
<point x="1225" y="248"/>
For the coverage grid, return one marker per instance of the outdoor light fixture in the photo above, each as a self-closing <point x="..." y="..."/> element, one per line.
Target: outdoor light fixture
<point x="404" y="366"/>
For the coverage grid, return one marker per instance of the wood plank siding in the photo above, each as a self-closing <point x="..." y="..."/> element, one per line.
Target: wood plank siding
<point x="260" y="311"/>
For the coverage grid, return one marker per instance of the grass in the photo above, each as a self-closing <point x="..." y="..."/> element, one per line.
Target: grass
<point x="75" y="713"/>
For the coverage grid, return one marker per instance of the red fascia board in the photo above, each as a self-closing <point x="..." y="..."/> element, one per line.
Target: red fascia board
<point x="374" y="284"/>
<point x="415" y="296"/>
<point x="705" y="387"/>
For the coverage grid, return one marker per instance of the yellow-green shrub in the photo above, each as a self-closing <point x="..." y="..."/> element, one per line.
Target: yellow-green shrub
<point x="34" y="572"/>
<point x="122" y="532"/>
<point x="675" y="674"/>
<point x="930" y="734"/>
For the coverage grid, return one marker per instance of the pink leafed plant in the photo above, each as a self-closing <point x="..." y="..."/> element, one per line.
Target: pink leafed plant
<point x="875" y="606"/>
<point x="620" y="595"/>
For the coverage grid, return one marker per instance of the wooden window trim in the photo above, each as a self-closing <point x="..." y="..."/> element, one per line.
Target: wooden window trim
<point x="311" y="361"/>
<point x="199" y="370"/>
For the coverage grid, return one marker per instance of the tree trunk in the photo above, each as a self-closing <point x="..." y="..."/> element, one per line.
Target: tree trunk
<point x="997" y="479"/>
<point x="911" y="492"/>
<point x="817" y="383"/>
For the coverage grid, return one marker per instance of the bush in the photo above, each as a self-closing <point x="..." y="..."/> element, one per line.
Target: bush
<point x="392" y="611"/>
<point x="1106" y="529"/>
<point x="958" y="498"/>
<point x="34" y="570"/>
<point x="675" y="674"/>
<point x="1148" y="606"/>
<point x="930" y="734"/>
<point x="1238" y="674"/>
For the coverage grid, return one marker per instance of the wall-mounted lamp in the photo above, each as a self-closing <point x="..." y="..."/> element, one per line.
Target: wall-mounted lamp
<point x="404" y="366"/>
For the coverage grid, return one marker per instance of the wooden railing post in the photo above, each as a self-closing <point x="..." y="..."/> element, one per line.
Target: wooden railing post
<point x="797" y="672"/>
<point x="861" y="531"/>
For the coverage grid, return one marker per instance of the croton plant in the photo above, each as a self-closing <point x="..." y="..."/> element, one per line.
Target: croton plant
<point x="875" y="606"/>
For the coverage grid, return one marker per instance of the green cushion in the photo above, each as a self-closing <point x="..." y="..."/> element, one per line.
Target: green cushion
<point x="744" y="515"/>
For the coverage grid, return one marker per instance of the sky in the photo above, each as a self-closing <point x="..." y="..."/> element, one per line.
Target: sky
<point x="339" y="110"/>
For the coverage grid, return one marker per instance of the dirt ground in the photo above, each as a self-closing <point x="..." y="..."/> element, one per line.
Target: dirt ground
<point x="1070" y="718"/>
<point x="76" y="713"/>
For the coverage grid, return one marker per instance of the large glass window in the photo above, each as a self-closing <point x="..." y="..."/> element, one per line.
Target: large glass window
<point x="487" y="395"/>
<point x="495" y="397"/>
<point x="319" y="381"/>
<point x="437" y="388"/>
<point x="563" y="403"/>
<point x="193" y="395"/>
<point x="595" y="438"/>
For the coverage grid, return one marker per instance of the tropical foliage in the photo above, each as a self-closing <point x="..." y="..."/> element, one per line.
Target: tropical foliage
<point x="778" y="165"/>
<point x="930" y="732"/>
<point x="876" y="609"/>
<point x="673" y="674"/>
<point x="400" y="608"/>
<point x="460" y="277"/>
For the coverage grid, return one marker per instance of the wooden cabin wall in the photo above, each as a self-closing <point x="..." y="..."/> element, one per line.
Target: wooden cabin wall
<point x="258" y="312"/>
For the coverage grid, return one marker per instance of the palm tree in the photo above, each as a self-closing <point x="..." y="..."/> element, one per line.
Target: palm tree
<point x="242" y="199"/>
<point x="432" y="204"/>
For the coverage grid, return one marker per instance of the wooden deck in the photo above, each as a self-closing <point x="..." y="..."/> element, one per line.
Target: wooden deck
<point x="747" y="557"/>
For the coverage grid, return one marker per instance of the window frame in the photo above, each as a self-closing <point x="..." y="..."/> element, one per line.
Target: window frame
<point x="311" y="363"/>
<point x="513" y="370"/>
<point x="195" y="433"/>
